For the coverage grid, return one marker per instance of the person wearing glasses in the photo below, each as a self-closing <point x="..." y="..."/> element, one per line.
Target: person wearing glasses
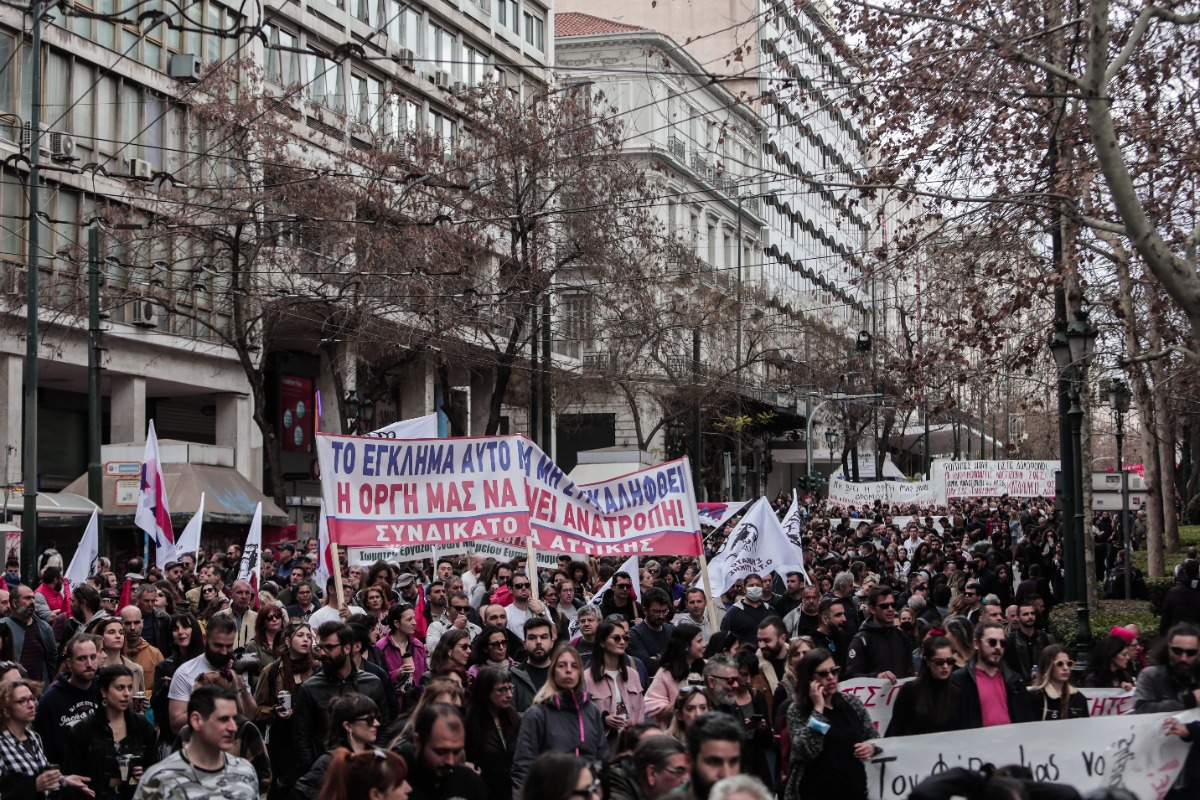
<point x="1052" y="696"/>
<point x="490" y="649"/>
<point x="880" y="649"/>
<point x="1174" y="685"/>
<point x="294" y="666"/>
<point x="209" y="604"/>
<point x="562" y="719"/>
<point x="492" y="729"/>
<point x="613" y="683"/>
<point x="353" y="727"/>
<point x="620" y="600"/>
<point x="992" y="694"/>
<point x="523" y="606"/>
<point x="830" y="735"/>
<point x="24" y="768"/>
<point x="561" y="776"/>
<point x="268" y="643"/>
<point x="930" y="703"/>
<point x="1109" y="665"/>
<point x="657" y="766"/>
<point x="458" y="611"/>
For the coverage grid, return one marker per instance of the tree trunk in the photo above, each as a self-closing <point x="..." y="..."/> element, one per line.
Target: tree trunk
<point x="1155" y="563"/>
<point x="1164" y="437"/>
<point x="1089" y="541"/>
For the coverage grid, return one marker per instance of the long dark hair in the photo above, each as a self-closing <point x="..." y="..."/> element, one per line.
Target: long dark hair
<point x="439" y="660"/>
<point x="934" y="708"/>
<point x="805" y="676"/>
<point x="479" y="709"/>
<point x="479" y="647"/>
<point x="1099" y="673"/>
<point x="553" y="776"/>
<point x="675" y="658"/>
<point x="347" y="708"/>
<point x="195" y="644"/>
<point x="605" y="630"/>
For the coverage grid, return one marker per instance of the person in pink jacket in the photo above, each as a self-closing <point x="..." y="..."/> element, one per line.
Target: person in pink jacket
<point x="613" y="683"/>
<point x="682" y="664"/>
<point x="403" y="654"/>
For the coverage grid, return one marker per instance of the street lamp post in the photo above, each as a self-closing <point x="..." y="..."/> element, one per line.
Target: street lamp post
<point x="1073" y="350"/>
<point x="1118" y="400"/>
<point x="831" y="439"/>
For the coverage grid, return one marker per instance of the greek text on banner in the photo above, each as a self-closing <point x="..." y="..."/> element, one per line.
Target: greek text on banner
<point x="449" y="491"/>
<point x="1129" y="751"/>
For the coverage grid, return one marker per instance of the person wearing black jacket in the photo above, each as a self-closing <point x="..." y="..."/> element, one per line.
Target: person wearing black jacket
<point x="930" y="704"/>
<point x="70" y="699"/>
<point x="434" y="757"/>
<point x="1182" y="601"/>
<point x="187" y="642"/>
<point x="111" y="733"/>
<point x="987" y="665"/>
<point x="492" y="729"/>
<point x="880" y="649"/>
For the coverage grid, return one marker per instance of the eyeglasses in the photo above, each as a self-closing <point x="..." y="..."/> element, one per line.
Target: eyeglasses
<point x="24" y="701"/>
<point x="995" y="642"/>
<point x="1069" y="663"/>
<point x="622" y="585"/>
<point x="505" y="689"/>
<point x="617" y="637"/>
<point x="826" y="673"/>
<point x="325" y="648"/>
<point x="498" y="643"/>
<point x="595" y="790"/>
<point x="270" y="617"/>
<point x="520" y="585"/>
<point x="370" y="720"/>
<point x="460" y="609"/>
<point x="885" y="606"/>
<point x="970" y="593"/>
<point x="1185" y="651"/>
<point x="941" y="662"/>
<point x="678" y="772"/>
<point x="729" y="681"/>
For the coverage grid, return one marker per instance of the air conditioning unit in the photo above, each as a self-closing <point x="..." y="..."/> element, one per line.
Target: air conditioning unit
<point x="62" y="147"/>
<point x="143" y="313"/>
<point x="441" y="79"/>
<point x="406" y="59"/>
<point x="137" y="168"/>
<point x="184" y="67"/>
<point x="27" y="139"/>
<point x="460" y="86"/>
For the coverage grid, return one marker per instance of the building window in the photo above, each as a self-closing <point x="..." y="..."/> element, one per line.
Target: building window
<point x="535" y="30"/>
<point x="575" y="314"/>
<point x="440" y="51"/>
<point x="325" y="83"/>
<point x="475" y="64"/>
<point x="506" y="13"/>
<point x="368" y="99"/>
<point x="441" y="126"/>
<point x="283" y="63"/>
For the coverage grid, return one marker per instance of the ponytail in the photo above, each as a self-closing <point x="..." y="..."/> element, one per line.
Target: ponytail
<point x="352" y="776"/>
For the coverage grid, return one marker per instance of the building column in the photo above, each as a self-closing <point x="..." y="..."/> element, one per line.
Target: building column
<point x="416" y="390"/>
<point x="128" y="409"/>
<point x="481" y="401"/>
<point x="12" y="416"/>
<point x="237" y="431"/>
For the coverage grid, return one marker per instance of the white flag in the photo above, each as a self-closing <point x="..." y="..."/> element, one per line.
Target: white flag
<point x="251" y="563"/>
<point x="189" y="540"/>
<point x="324" y="555"/>
<point x="83" y="563"/>
<point x="630" y="568"/>
<point x="793" y="529"/>
<point x="153" y="515"/>
<point x="756" y="545"/>
<point x="425" y="427"/>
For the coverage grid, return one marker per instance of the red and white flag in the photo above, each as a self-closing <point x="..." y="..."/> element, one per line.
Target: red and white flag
<point x="251" y="563"/>
<point x="324" y="551"/>
<point x="153" y="515"/>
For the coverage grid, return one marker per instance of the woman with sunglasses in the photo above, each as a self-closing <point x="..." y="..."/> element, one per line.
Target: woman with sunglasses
<point x="353" y="726"/>
<point x="830" y="735"/>
<point x="490" y="649"/>
<point x="682" y="664"/>
<point x="268" y="642"/>
<point x="210" y="603"/>
<point x="562" y="719"/>
<point x="24" y="770"/>
<point x="612" y="682"/>
<point x="1052" y="696"/>
<point x="284" y="674"/>
<point x="930" y="703"/>
<point x="110" y="733"/>
<point x="561" y="776"/>
<point x="492" y="729"/>
<point x="452" y="655"/>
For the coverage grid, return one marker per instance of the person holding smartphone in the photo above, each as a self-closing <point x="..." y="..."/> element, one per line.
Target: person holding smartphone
<point x="613" y="683"/>
<point x="830" y="735"/>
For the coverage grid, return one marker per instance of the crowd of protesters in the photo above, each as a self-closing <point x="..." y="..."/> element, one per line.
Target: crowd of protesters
<point x="465" y="677"/>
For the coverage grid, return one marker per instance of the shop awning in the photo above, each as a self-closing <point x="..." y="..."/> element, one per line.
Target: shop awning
<point x="53" y="504"/>
<point x="229" y="497"/>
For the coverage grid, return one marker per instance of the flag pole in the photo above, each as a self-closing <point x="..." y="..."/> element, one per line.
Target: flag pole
<point x="712" y="608"/>
<point x="530" y="566"/>
<point x="337" y="573"/>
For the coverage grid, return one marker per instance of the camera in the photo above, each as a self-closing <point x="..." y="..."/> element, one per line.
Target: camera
<point x="243" y="662"/>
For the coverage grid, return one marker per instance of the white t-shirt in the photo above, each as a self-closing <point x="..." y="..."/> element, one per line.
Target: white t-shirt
<point x="184" y="681"/>
<point x="327" y="614"/>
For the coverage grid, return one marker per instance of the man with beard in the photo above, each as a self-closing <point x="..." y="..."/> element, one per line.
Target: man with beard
<point x="338" y="676"/>
<point x="648" y="639"/>
<point x="530" y="677"/>
<point x="830" y="633"/>
<point x="205" y="766"/>
<point x="211" y="667"/>
<point x="805" y="617"/>
<point x="70" y="698"/>
<point x="32" y="638"/>
<point x="992" y="693"/>
<point x="435" y="757"/>
<point x="772" y="650"/>
<point x="880" y="649"/>
<point x="695" y="612"/>
<point x="714" y="743"/>
<point x="85" y="605"/>
<point x="720" y="686"/>
<point x="792" y="597"/>
<point x="619" y="599"/>
<point x="1175" y="686"/>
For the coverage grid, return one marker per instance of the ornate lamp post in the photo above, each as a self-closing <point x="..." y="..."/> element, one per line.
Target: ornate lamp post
<point x="831" y="438"/>
<point x="1073" y="350"/>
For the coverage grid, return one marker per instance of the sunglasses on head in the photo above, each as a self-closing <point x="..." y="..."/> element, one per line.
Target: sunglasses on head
<point x="1185" y="651"/>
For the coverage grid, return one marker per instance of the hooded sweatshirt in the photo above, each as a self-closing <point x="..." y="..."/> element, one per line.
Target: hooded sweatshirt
<point x="61" y="707"/>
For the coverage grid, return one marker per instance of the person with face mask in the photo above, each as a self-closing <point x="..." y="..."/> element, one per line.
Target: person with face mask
<point x="743" y="619"/>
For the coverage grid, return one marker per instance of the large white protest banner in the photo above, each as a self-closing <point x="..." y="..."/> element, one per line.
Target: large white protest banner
<point x="446" y="491"/>
<point x="845" y="493"/>
<point x="879" y="697"/>
<point x="967" y="479"/>
<point x="1129" y="751"/>
<point x="425" y="427"/>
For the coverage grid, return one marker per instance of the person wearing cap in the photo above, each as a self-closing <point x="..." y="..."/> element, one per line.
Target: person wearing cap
<point x="287" y="561"/>
<point x="108" y="601"/>
<point x="413" y="594"/>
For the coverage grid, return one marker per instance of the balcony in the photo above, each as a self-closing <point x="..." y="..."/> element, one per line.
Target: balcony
<point x="677" y="148"/>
